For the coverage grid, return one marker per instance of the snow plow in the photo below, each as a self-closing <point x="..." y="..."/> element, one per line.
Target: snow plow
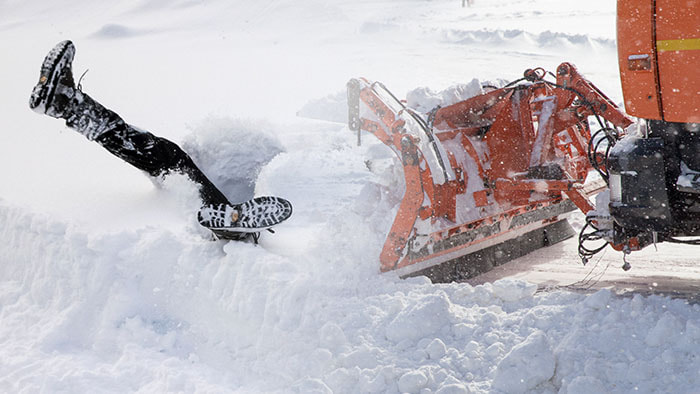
<point x="489" y="178"/>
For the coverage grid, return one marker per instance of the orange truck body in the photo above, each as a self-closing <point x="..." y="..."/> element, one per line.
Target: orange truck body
<point x="659" y="58"/>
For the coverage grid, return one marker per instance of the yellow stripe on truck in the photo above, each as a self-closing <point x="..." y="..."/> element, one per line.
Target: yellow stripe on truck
<point x="688" y="44"/>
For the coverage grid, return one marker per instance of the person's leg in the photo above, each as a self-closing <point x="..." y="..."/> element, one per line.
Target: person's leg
<point x="56" y="95"/>
<point x="158" y="156"/>
<point x="154" y="155"/>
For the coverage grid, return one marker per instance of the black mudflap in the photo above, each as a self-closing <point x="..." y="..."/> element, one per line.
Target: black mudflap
<point x="484" y="260"/>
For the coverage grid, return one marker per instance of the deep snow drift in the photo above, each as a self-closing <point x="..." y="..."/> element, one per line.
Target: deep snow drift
<point x="107" y="284"/>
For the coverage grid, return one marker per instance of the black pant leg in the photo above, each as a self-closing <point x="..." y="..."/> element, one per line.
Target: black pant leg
<point x="157" y="156"/>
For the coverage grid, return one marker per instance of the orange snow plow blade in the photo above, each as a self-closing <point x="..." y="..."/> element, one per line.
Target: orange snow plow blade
<point x="486" y="179"/>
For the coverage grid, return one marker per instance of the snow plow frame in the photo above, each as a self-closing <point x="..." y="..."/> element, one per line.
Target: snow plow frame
<point x="521" y="192"/>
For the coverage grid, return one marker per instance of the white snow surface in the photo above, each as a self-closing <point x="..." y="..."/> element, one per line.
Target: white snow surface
<point x="107" y="283"/>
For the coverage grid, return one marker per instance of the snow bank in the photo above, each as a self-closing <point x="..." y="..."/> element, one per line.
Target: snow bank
<point x="158" y="310"/>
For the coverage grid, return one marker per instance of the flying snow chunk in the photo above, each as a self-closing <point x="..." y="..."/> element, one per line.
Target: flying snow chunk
<point x="526" y="366"/>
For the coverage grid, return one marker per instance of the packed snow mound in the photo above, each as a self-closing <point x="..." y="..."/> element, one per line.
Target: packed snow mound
<point x="222" y="316"/>
<point x="232" y="152"/>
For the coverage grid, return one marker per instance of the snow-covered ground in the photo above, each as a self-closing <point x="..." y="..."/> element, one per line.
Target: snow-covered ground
<point x="107" y="284"/>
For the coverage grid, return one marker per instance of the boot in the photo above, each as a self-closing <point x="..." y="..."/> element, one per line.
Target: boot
<point x="56" y="88"/>
<point x="56" y="95"/>
<point x="254" y="215"/>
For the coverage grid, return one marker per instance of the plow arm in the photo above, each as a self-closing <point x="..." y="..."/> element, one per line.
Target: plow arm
<point x="374" y="109"/>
